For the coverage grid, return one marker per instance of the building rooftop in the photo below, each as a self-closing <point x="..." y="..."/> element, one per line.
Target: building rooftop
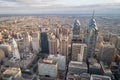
<point x="11" y="72"/>
<point x="47" y="61"/>
<point x="76" y="64"/>
<point x="99" y="77"/>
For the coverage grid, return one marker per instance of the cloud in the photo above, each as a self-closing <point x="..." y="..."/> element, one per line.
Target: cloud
<point x="118" y="1"/>
<point x="54" y="6"/>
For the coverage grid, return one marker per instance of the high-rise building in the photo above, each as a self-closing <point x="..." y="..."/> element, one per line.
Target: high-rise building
<point x="44" y="42"/>
<point x="53" y="42"/>
<point x="78" y="51"/>
<point x="94" y="66"/>
<point x="57" y="32"/>
<point x="36" y="41"/>
<point x="118" y="42"/>
<point x="92" y="32"/>
<point x="15" y="51"/>
<point x="76" y="29"/>
<point x="27" y="41"/>
<point x="107" y="53"/>
<point x="64" y="46"/>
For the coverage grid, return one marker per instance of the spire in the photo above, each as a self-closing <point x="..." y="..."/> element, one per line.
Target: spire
<point x="93" y="14"/>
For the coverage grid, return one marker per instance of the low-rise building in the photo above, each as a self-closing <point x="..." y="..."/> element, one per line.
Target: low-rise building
<point x="76" y="67"/>
<point x="99" y="77"/>
<point x="12" y="74"/>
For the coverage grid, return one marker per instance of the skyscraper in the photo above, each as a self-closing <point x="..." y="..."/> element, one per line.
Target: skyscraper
<point x="52" y="44"/>
<point x="35" y="41"/>
<point x="27" y="41"/>
<point x="107" y="53"/>
<point x="15" y="52"/>
<point x="92" y="32"/>
<point x="44" y="42"/>
<point x="76" y="29"/>
<point x="64" y="46"/>
<point x="78" y="52"/>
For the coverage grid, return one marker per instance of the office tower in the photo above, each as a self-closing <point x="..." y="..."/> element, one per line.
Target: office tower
<point x="113" y="39"/>
<point x="15" y="51"/>
<point x="47" y="67"/>
<point x="44" y="42"/>
<point x="107" y="53"/>
<point x="61" y="61"/>
<point x="57" y="32"/>
<point x="64" y="45"/>
<point x="118" y="43"/>
<point x="92" y="32"/>
<point x="83" y="53"/>
<point x="106" y="70"/>
<point x="94" y="66"/>
<point x="36" y="42"/>
<point x="53" y="42"/>
<point x="76" y="29"/>
<point x="27" y="41"/>
<point x="65" y="31"/>
<point x="78" y="51"/>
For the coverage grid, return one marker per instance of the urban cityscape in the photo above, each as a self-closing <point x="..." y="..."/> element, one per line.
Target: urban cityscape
<point x="59" y="46"/>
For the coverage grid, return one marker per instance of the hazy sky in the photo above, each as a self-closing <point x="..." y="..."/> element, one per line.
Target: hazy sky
<point x="59" y="6"/>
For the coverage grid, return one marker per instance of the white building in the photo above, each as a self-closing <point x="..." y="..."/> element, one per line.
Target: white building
<point x="61" y="61"/>
<point x="47" y="67"/>
<point x="36" y="41"/>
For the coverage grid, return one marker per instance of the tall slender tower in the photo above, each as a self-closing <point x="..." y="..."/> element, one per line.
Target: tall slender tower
<point x="76" y="29"/>
<point x="35" y="42"/>
<point x="64" y="45"/>
<point x="44" y="42"/>
<point x="91" y="36"/>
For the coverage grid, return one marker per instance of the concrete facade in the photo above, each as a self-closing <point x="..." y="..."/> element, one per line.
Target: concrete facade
<point x="47" y="67"/>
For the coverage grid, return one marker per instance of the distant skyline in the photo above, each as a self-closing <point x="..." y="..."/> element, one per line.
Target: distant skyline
<point x="59" y="6"/>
